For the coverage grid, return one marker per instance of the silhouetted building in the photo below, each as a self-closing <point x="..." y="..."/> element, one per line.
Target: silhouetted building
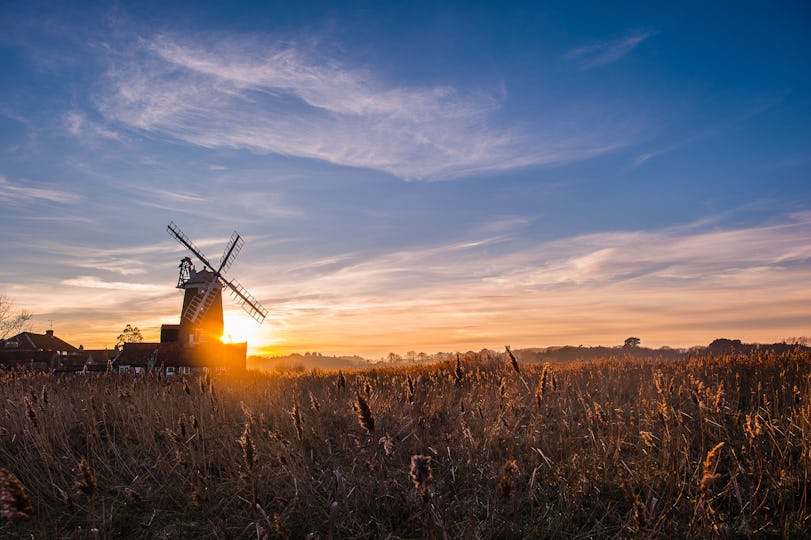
<point x="172" y="358"/>
<point x="35" y="351"/>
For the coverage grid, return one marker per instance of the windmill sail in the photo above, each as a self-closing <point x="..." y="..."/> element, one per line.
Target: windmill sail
<point x="232" y="249"/>
<point x="245" y="299"/>
<point x="200" y="304"/>
<point x="175" y="231"/>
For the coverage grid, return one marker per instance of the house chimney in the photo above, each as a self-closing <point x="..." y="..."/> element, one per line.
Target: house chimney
<point x="49" y="332"/>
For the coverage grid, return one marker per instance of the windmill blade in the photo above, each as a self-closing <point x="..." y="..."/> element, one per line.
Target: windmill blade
<point x="200" y="303"/>
<point x="233" y="247"/>
<point x="250" y="304"/>
<point x="175" y="231"/>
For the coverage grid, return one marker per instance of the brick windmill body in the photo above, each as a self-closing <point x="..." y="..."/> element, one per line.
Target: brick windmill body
<point x="209" y="324"/>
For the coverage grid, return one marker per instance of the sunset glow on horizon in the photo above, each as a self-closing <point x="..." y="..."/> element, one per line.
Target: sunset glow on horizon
<point x="411" y="178"/>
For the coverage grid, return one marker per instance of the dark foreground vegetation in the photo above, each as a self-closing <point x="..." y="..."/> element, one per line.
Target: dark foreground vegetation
<point x="481" y="448"/>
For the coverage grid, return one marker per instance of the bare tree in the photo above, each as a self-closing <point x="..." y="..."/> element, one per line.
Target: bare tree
<point x="11" y="322"/>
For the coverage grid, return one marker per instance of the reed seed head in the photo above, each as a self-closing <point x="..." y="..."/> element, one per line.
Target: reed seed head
<point x="507" y="480"/>
<point x="421" y="475"/>
<point x="513" y="360"/>
<point x="14" y="502"/>
<point x="710" y="466"/>
<point x="248" y="447"/>
<point x="295" y="416"/>
<point x="87" y="480"/>
<point x="30" y="412"/>
<point x="458" y="373"/>
<point x="365" y="418"/>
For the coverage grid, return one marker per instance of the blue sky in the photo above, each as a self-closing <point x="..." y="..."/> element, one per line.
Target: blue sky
<point x="428" y="176"/>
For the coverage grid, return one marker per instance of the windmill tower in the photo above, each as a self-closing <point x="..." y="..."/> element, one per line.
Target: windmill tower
<point x="201" y="319"/>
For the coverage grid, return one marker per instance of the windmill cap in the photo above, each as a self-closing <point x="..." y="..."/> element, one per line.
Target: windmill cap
<point x="201" y="277"/>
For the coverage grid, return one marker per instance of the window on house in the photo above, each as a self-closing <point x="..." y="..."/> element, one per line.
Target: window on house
<point x="186" y="370"/>
<point x="123" y="369"/>
<point x="138" y="369"/>
<point x="170" y="370"/>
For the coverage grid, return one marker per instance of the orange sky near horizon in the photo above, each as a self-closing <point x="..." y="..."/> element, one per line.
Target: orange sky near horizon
<point x="669" y="288"/>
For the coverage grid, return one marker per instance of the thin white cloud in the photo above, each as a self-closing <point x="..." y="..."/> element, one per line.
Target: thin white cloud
<point x="288" y="101"/>
<point x="91" y="282"/>
<point x="600" y="54"/>
<point x="126" y="261"/>
<point x="672" y="259"/>
<point x="186" y="197"/>
<point x="679" y="283"/>
<point x="80" y="126"/>
<point x="22" y="193"/>
<point x="61" y="219"/>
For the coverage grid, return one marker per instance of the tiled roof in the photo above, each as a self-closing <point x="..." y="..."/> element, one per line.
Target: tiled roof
<point x="136" y="354"/>
<point x="100" y="356"/>
<point x="145" y="354"/>
<point x="73" y="362"/>
<point x="18" y="357"/>
<point x="28" y="341"/>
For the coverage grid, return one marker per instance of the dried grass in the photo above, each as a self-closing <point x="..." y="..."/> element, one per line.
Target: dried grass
<point x="471" y="448"/>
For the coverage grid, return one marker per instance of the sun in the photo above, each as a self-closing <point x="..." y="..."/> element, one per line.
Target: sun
<point x="240" y="328"/>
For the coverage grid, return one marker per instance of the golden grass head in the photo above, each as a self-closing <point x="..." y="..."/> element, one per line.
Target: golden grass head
<point x="710" y="466"/>
<point x="295" y="416"/>
<point x="181" y="427"/>
<point x="248" y="447"/>
<point x="421" y="475"/>
<point x="387" y="443"/>
<point x="513" y="361"/>
<point x="87" y="480"/>
<point x="315" y="405"/>
<point x="14" y="502"/>
<point x="508" y="477"/>
<point x="648" y="438"/>
<point x="30" y="412"/>
<point x="458" y="373"/>
<point x="365" y="418"/>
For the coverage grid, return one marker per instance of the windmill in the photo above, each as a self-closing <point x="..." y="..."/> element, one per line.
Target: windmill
<point x="201" y="318"/>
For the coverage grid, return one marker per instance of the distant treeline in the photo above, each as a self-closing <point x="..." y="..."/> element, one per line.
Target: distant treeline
<point x="568" y="353"/>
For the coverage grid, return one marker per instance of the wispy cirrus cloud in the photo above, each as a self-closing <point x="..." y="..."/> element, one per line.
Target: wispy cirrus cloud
<point x="607" y="52"/>
<point x="19" y="192"/>
<point x="289" y="100"/>
<point x="80" y="126"/>
<point x="676" y="257"/>
<point x="91" y="282"/>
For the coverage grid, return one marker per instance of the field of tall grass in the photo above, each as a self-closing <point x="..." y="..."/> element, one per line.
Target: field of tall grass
<point x="483" y="447"/>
